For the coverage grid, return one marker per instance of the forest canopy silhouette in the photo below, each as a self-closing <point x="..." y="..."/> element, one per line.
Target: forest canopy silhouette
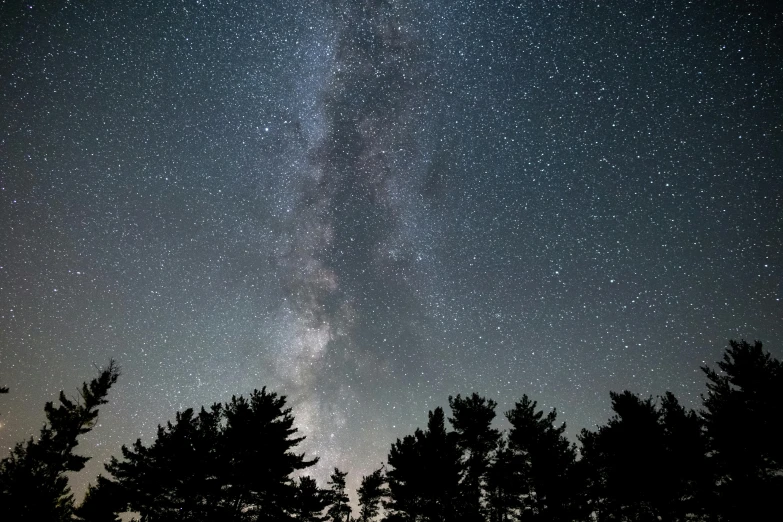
<point x="238" y="461"/>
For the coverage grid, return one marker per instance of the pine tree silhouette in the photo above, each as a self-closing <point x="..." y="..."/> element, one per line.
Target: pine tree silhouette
<point x="424" y="472"/>
<point x="476" y="439"/>
<point x="544" y="458"/>
<point x="743" y="416"/>
<point x="102" y="502"/>
<point x="686" y="487"/>
<point x="33" y="481"/>
<point x="339" y="510"/>
<point x="232" y="462"/>
<point x="175" y="478"/>
<point x="505" y="484"/>
<point x="371" y="493"/>
<point x="627" y="458"/>
<point x="310" y="501"/>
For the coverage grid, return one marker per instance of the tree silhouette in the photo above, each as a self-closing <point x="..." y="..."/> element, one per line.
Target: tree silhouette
<point x="310" y="501"/>
<point x="743" y="416"/>
<point x="33" y="481"/>
<point x="339" y="510"/>
<point x="233" y="462"/>
<point x="258" y="436"/>
<point x="544" y="458"/>
<point x="686" y="487"/>
<point x="236" y="461"/>
<point x="627" y="457"/>
<point x="406" y="478"/>
<point x="504" y="484"/>
<point x="102" y="502"/>
<point x="474" y="436"/>
<point x="371" y="492"/>
<point x="647" y="463"/>
<point x="423" y="474"/>
<point x="175" y="478"/>
<point x="442" y="466"/>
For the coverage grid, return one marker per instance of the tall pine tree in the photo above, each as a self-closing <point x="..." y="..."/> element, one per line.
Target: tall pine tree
<point x="743" y="416"/>
<point x="504" y="484"/>
<point x="371" y="493"/>
<point x="424" y="473"/>
<point x="310" y="501"/>
<point x="339" y="510"/>
<point x="33" y="481"/>
<point x="472" y="422"/>
<point x="543" y="456"/>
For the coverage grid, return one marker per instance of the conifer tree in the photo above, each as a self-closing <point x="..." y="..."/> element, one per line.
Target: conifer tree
<point x="423" y="474"/>
<point x="310" y="501"/>
<point x="371" y="492"/>
<point x="406" y="478"/>
<point x="544" y="458"/>
<point x="504" y="484"/>
<point x="33" y="481"/>
<point x="339" y="511"/>
<point x="476" y="439"/>
<point x="102" y="502"/>
<point x="687" y="485"/>
<point x="177" y="476"/>
<point x="626" y="457"/>
<point x="743" y="416"/>
<point x="259" y="435"/>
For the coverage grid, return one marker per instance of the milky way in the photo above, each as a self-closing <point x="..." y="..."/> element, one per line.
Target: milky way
<point x="368" y="206"/>
<point x="361" y="176"/>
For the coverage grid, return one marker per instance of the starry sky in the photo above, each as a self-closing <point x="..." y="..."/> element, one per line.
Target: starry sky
<point x="370" y="205"/>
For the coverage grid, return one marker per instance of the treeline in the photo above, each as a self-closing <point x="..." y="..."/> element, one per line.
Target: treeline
<point x="653" y="460"/>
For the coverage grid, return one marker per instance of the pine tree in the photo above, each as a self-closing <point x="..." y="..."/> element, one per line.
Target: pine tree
<point x="626" y="458"/>
<point x="743" y="416"/>
<point x="175" y="478"/>
<point x="257" y="443"/>
<point x="423" y="474"/>
<point x="310" y="501"/>
<point x="687" y="484"/>
<point x="339" y="511"/>
<point x="406" y="477"/>
<point x="544" y="458"/>
<point x="33" y="481"/>
<point x="505" y="484"/>
<point x="371" y="493"/>
<point x="102" y="502"/>
<point x="476" y="439"/>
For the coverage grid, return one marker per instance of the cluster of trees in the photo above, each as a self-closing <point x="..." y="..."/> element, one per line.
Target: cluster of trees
<point x="653" y="460"/>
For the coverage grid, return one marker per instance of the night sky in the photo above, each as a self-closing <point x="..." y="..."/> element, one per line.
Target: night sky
<point x="370" y="205"/>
